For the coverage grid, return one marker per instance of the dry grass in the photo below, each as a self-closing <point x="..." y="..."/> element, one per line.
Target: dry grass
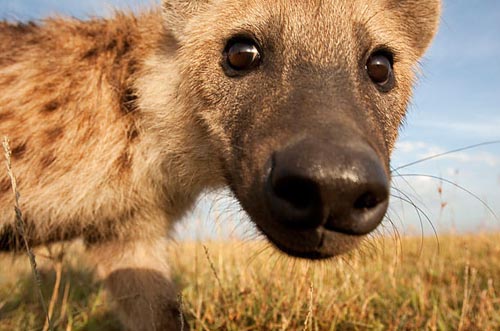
<point x="240" y="286"/>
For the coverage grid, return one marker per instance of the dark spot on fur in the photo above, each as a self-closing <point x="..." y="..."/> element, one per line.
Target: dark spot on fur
<point x="132" y="67"/>
<point x="7" y="80"/>
<point x="22" y="27"/>
<point x="121" y="46"/>
<point x="9" y="239"/>
<point x="132" y="133"/>
<point x="125" y="161"/>
<point x="122" y="50"/>
<point x="47" y="160"/>
<point x="54" y="134"/>
<point x="117" y="46"/>
<point x="18" y="151"/>
<point x="47" y="89"/>
<point x="5" y="185"/>
<point x="90" y="54"/>
<point x="125" y="48"/>
<point x="98" y="234"/>
<point x="5" y="116"/>
<point x="59" y="233"/>
<point x="111" y="45"/>
<point x="90" y="33"/>
<point x="128" y="101"/>
<point x="51" y="106"/>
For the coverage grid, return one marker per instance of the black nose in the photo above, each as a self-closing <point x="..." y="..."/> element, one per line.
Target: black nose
<point x="341" y="188"/>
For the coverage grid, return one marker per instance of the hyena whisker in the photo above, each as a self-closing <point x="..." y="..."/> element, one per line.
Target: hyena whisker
<point x="410" y="186"/>
<point x="377" y="244"/>
<point x="421" y="212"/>
<point x="413" y="205"/>
<point x="454" y="151"/>
<point x="234" y="214"/>
<point x="447" y="181"/>
<point x="266" y="248"/>
<point x="395" y="231"/>
<point x="407" y="196"/>
<point x="395" y="215"/>
<point x="372" y="247"/>
<point x="398" y="237"/>
<point x="397" y="174"/>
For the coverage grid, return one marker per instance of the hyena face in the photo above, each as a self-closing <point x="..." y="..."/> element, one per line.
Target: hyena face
<point x="303" y="101"/>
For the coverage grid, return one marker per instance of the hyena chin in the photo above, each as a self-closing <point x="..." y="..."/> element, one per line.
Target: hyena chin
<point x="117" y="125"/>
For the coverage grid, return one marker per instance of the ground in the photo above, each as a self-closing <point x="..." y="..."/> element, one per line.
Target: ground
<point x="449" y="283"/>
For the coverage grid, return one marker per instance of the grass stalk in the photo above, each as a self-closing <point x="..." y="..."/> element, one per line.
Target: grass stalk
<point x="20" y="227"/>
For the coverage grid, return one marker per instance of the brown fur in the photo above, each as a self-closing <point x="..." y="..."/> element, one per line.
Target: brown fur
<point x="118" y="124"/>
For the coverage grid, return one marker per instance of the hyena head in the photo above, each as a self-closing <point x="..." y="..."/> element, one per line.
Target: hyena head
<point x="302" y="100"/>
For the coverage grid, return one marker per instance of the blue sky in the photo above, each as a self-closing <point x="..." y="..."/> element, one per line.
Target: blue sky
<point x="457" y="103"/>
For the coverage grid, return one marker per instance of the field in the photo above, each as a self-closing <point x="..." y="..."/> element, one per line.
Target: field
<point x="390" y="284"/>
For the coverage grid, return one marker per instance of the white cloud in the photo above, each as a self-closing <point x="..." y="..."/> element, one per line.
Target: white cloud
<point x="421" y="150"/>
<point x="488" y="129"/>
<point x="410" y="146"/>
<point x="479" y="157"/>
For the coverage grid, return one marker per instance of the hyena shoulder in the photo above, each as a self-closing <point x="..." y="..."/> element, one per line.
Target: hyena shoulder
<point x="69" y="108"/>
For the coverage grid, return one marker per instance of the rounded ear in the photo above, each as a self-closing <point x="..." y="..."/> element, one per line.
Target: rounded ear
<point x="419" y="20"/>
<point x="177" y="13"/>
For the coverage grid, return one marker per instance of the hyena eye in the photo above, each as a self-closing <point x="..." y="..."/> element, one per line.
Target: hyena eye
<point x="379" y="68"/>
<point x="242" y="54"/>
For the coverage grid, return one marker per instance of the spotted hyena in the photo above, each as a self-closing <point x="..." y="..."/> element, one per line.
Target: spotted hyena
<point x="116" y="126"/>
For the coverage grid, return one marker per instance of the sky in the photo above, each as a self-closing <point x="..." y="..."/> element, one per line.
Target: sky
<point x="456" y="104"/>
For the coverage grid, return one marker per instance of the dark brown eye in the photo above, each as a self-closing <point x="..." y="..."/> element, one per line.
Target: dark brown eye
<point x="379" y="68"/>
<point x="242" y="55"/>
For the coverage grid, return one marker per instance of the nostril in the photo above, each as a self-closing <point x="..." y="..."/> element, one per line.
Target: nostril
<point x="367" y="200"/>
<point x="364" y="214"/>
<point x="301" y="193"/>
<point x="294" y="199"/>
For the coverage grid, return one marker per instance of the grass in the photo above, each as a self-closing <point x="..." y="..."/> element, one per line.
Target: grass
<point x="387" y="285"/>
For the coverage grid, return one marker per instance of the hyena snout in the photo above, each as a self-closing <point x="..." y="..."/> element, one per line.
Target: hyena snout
<point x="341" y="188"/>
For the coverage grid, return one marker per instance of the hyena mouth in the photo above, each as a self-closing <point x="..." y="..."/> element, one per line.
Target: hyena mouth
<point x="321" y="204"/>
<point x="318" y="244"/>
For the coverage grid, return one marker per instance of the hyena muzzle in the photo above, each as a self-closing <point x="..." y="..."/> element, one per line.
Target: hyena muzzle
<point x="117" y="125"/>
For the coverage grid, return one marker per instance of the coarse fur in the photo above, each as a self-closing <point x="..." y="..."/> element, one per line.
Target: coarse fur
<point x="117" y="125"/>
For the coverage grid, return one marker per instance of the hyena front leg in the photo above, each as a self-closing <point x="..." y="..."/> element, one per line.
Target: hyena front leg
<point x="138" y="278"/>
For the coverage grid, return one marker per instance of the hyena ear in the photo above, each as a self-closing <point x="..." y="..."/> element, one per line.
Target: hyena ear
<point x="419" y="20"/>
<point x="177" y="13"/>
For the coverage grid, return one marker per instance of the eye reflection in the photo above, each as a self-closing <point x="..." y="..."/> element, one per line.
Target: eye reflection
<point x="243" y="55"/>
